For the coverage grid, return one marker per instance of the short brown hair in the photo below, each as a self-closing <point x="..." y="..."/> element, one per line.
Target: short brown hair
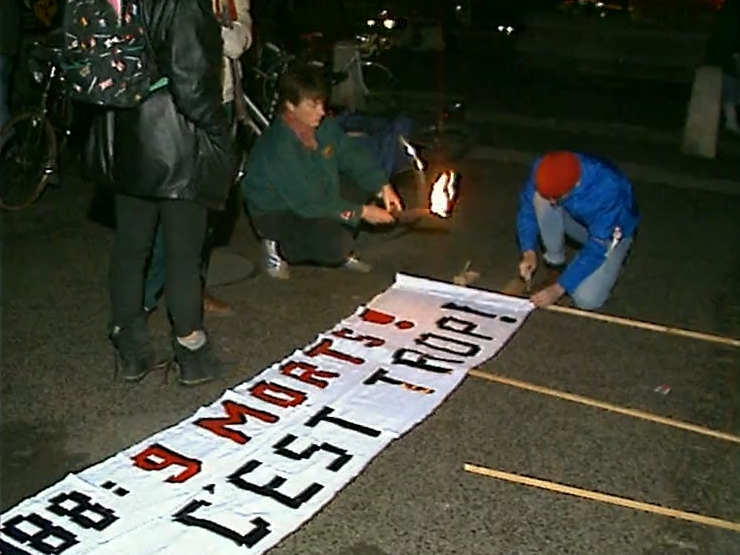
<point x="300" y="82"/>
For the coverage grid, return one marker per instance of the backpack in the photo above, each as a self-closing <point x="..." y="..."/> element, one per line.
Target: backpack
<point x="107" y="57"/>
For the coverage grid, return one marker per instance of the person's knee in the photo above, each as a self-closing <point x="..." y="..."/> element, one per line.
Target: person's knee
<point x="588" y="297"/>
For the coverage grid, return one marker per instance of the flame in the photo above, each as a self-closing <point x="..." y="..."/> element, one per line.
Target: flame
<point x="443" y="194"/>
<point x="411" y="153"/>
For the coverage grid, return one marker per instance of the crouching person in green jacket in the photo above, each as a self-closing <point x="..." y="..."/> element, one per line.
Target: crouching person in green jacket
<point x="301" y="208"/>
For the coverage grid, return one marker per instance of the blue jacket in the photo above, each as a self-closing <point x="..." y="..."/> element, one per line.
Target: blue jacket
<point x="601" y="202"/>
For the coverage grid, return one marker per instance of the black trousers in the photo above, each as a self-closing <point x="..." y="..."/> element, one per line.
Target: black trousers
<point x="184" y="227"/>
<point x="322" y="241"/>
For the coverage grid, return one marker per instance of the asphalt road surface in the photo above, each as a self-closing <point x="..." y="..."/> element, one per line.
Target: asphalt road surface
<point x="62" y="411"/>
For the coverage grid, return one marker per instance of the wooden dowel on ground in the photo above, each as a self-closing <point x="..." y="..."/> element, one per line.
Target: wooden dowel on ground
<point x="515" y="288"/>
<point x="604" y="406"/>
<point x="602" y="497"/>
<point x="731" y="341"/>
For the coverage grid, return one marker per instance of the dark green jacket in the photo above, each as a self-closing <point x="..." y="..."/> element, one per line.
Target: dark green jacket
<point x="283" y="175"/>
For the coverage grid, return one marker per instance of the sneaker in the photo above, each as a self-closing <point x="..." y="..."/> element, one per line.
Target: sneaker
<point x="275" y="266"/>
<point x="356" y="265"/>
<point x="197" y="366"/>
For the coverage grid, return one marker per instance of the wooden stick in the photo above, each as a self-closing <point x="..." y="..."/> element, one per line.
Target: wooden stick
<point x="731" y="341"/>
<point x="605" y="406"/>
<point x="603" y="497"/>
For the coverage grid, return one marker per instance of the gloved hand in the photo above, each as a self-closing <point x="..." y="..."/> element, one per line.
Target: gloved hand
<point x="528" y="265"/>
<point x="236" y="40"/>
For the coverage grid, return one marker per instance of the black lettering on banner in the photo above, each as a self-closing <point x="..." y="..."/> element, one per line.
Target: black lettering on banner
<point x="323" y="416"/>
<point x="368" y="340"/>
<point x="382" y="375"/>
<point x="469" y="310"/>
<point x="463" y="327"/>
<point x="186" y="516"/>
<point x="421" y="361"/>
<point x="438" y="342"/>
<point x="270" y="489"/>
<point x="9" y="549"/>
<point x="324" y="347"/>
<point x="281" y="448"/>
<point x="48" y="539"/>
<point x="83" y="513"/>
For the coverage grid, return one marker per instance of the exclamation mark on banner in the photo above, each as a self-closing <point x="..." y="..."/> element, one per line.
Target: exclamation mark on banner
<point x="383" y="319"/>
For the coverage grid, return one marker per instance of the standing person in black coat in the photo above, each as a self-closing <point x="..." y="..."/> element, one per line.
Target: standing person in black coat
<point x="170" y="160"/>
<point x="723" y="50"/>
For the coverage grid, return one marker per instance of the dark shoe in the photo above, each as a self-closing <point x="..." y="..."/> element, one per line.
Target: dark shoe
<point x="135" y="356"/>
<point x="197" y="366"/>
<point x="212" y="305"/>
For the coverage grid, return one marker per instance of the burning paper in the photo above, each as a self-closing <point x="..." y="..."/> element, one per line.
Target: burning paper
<point x="442" y="197"/>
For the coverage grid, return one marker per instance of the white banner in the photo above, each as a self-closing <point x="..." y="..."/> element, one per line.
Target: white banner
<point x="247" y="470"/>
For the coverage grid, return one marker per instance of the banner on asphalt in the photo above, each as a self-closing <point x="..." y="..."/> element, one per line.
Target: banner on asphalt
<point x="247" y="470"/>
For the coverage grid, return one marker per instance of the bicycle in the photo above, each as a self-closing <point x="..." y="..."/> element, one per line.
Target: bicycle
<point x="33" y="140"/>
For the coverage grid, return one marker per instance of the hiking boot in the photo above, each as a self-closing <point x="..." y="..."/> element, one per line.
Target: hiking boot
<point x="197" y="366"/>
<point x="275" y="266"/>
<point x="135" y="356"/>
<point x="354" y="264"/>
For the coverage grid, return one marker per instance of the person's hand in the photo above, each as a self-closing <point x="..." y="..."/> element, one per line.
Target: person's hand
<point x="547" y="296"/>
<point x="391" y="200"/>
<point x="236" y="40"/>
<point x="376" y="215"/>
<point x="527" y="265"/>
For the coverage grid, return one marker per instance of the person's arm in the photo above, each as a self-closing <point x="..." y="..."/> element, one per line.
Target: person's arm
<point x="285" y="176"/>
<point x="192" y="59"/>
<point x="354" y="160"/>
<point x="526" y="220"/>
<point x="238" y="38"/>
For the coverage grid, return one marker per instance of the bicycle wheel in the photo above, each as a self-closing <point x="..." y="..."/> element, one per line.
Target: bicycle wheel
<point x="26" y="161"/>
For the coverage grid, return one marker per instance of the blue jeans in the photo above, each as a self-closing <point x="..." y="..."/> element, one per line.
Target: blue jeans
<point x="555" y="223"/>
<point x="6" y="72"/>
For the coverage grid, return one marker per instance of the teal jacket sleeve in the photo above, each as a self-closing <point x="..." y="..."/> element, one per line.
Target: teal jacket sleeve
<point x="287" y="179"/>
<point x="354" y="160"/>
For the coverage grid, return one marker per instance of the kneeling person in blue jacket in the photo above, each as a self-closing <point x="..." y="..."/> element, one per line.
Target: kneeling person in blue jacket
<point x="589" y="200"/>
<point x="301" y="207"/>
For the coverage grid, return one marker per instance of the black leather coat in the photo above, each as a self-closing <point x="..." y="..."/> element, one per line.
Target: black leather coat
<point x="176" y="144"/>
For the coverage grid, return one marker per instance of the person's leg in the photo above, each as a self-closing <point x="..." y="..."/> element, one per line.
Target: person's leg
<point x="135" y="223"/>
<point x="304" y="240"/>
<point x="155" y="277"/>
<point x="184" y="224"/>
<point x="551" y="222"/>
<point x="593" y="292"/>
<point x="184" y="227"/>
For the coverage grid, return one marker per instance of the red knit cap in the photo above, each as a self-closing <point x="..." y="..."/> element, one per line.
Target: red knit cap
<point x="557" y="173"/>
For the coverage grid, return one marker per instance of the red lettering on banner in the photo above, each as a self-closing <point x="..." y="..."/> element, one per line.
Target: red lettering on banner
<point x="264" y="391"/>
<point x="352" y="335"/>
<point x="235" y="414"/>
<point x="324" y="348"/>
<point x="157" y="457"/>
<point x="309" y="373"/>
